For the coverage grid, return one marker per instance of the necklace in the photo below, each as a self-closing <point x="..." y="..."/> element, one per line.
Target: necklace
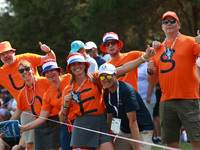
<point x="76" y="97"/>
<point x="27" y="91"/>
<point x="173" y="42"/>
<point x="79" y="86"/>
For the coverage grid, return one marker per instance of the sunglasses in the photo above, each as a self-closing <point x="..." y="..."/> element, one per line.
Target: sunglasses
<point x="109" y="77"/>
<point x="108" y="43"/>
<point x="172" y="21"/>
<point x="89" y="50"/>
<point x="26" y="69"/>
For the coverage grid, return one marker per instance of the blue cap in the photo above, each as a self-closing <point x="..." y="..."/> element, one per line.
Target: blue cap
<point x="76" y="45"/>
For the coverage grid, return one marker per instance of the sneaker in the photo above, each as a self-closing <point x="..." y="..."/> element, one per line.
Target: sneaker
<point x="154" y="140"/>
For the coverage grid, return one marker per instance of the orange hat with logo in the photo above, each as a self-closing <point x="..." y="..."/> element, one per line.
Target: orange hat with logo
<point x="5" y="46"/>
<point x="171" y="14"/>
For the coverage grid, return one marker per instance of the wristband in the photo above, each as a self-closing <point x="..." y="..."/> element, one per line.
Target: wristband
<point x="64" y="115"/>
<point x="143" y="58"/>
<point x="150" y="73"/>
<point x="49" y="51"/>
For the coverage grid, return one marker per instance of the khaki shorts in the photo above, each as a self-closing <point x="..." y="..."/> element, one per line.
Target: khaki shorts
<point x="122" y="144"/>
<point x="174" y="114"/>
<point x="26" y="118"/>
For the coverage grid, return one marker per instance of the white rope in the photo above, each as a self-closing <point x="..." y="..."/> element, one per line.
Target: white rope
<point x="115" y="136"/>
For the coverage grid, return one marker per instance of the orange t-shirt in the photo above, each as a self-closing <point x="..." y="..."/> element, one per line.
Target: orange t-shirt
<point x="91" y="100"/>
<point x="53" y="97"/>
<point x="177" y="76"/>
<point x="42" y="85"/>
<point x="10" y="77"/>
<point x="132" y="76"/>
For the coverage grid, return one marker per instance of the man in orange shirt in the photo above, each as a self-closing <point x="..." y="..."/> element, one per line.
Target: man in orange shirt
<point x="112" y="45"/>
<point x="11" y="80"/>
<point x="174" y="66"/>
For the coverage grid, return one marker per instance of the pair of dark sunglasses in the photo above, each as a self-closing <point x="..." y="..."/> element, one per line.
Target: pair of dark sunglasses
<point x="172" y="21"/>
<point x="26" y="69"/>
<point x="89" y="50"/>
<point x="108" y="43"/>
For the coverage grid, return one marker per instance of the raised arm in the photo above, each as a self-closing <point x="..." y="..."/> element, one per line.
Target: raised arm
<point x="156" y="44"/>
<point x="63" y="115"/>
<point x="49" y="53"/>
<point x="135" y="63"/>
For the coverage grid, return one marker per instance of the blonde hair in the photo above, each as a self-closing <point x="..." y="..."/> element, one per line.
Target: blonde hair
<point x="24" y="63"/>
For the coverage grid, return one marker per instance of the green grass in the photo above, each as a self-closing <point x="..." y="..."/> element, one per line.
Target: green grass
<point x="183" y="146"/>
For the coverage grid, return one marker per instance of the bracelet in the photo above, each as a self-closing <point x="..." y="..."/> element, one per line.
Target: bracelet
<point x="143" y="58"/>
<point x="150" y="73"/>
<point x="65" y="108"/>
<point x="20" y="146"/>
<point x="49" y="51"/>
<point x="64" y="115"/>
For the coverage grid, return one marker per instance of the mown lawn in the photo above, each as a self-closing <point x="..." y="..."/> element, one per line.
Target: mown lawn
<point x="183" y="146"/>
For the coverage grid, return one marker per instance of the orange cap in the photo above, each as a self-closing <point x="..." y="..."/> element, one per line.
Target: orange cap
<point x="171" y="14"/>
<point x="5" y="46"/>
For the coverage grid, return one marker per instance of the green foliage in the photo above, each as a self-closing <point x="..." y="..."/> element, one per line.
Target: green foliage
<point x="183" y="146"/>
<point x="58" y="23"/>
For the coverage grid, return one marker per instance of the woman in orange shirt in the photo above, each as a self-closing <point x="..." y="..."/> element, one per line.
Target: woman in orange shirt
<point x="30" y="98"/>
<point x="84" y="96"/>
<point x="52" y="99"/>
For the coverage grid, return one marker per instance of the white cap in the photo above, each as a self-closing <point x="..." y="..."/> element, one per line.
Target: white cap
<point x="107" y="68"/>
<point x="90" y="45"/>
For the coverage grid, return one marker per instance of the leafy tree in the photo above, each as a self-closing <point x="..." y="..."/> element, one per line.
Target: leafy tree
<point x="58" y="23"/>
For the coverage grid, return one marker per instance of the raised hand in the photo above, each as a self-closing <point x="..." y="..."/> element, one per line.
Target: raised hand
<point x="149" y="52"/>
<point x="156" y="44"/>
<point x="44" y="48"/>
<point x="67" y="99"/>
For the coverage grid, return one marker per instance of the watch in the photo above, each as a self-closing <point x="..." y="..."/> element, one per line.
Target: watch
<point x="150" y="73"/>
<point x="49" y="51"/>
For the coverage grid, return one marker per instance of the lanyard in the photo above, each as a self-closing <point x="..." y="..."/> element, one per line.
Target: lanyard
<point x="27" y="91"/>
<point x="109" y="100"/>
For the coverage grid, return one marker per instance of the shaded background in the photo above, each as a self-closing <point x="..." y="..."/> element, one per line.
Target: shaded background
<point x="57" y="23"/>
